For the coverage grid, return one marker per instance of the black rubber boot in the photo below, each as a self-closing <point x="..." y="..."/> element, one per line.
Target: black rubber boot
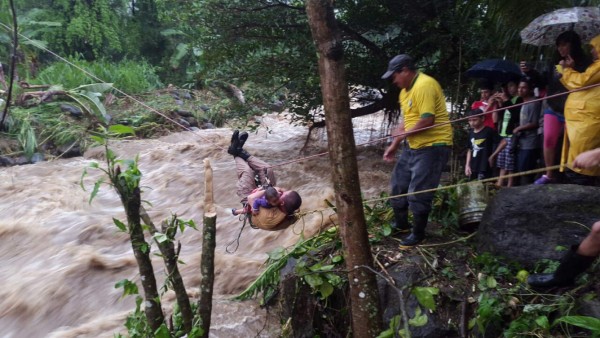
<point x="571" y="265"/>
<point x="400" y="222"/>
<point x="418" y="230"/>
<point x="243" y="154"/>
<point x="242" y="139"/>
<point x="235" y="144"/>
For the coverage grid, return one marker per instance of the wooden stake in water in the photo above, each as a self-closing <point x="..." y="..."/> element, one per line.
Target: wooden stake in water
<point x="207" y="264"/>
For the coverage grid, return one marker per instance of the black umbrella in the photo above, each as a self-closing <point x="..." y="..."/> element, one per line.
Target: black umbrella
<point x="496" y="70"/>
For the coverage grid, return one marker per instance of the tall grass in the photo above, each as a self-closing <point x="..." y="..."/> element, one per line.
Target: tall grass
<point x="49" y="123"/>
<point x="132" y="77"/>
<point x="26" y="137"/>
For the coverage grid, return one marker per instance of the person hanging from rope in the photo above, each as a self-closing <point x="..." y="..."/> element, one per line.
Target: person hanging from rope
<point x="266" y="206"/>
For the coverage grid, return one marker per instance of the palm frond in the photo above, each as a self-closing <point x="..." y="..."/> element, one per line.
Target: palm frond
<point x="270" y="277"/>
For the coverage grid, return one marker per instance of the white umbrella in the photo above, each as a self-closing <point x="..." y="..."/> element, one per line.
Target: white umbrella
<point x="544" y="29"/>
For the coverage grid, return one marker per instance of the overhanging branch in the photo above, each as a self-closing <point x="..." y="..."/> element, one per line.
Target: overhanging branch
<point x="354" y="35"/>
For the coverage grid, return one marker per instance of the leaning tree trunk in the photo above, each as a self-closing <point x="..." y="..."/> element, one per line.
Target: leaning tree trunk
<point x="170" y="257"/>
<point x="141" y="249"/>
<point x="364" y="300"/>
<point x="207" y="265"/>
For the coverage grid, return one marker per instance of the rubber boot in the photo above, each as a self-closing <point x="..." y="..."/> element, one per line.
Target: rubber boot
<point x="571" y="265"/>
<point x="400" y="222"/>
<point x="242" y="139"/>
<point x="243" y="154"/>
<point x="235" y="144"/>
<point x="418" y="230"/>
<point x="240" y="144"/>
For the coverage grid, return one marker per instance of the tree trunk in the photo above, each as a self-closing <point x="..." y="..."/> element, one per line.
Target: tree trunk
<point x="13" y="64"/>
<point x="141" y="249"/>
<point x="170" y="256"/>
<point x="207" y="265"/>
<point x="364" y="300"/>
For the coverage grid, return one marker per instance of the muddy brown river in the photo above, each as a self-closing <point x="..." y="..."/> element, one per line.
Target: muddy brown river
<point x="61" y="256"/>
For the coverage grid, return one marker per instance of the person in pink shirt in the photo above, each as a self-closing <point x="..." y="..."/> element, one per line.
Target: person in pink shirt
<point x="485" y="104"/>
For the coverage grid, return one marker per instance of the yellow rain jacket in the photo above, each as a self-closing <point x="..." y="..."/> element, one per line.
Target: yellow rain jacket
<point x="582" y="113"/>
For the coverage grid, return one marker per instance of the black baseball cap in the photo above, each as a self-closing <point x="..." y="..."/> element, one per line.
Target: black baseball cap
<point x="397" y="63"/>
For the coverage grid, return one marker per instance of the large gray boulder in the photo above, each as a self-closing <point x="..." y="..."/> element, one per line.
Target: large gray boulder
<point x="526" y="224"/>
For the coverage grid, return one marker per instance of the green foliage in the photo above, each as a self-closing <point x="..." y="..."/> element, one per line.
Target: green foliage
<point x="588" y="323"/>
<point x="119" y="224"/>
<point x="137" y="323"/>
<point x="449" y="273"/>
<point x="378" y="218"/>
<point x="529" y="323"/>
<point x="318" y="275"/>
<point x="492" y="265"/>
<point x="420" y="319"/>
<point x="490" y="310"/>
<point x="266" y="48"/>
<point x="500" y="298"/>
<point x="425" y="296"/>
<point x="27" y="138"/>
<point x="31" y="24"/>
<point x="87" y="96"/>
<point x="546" y="266"/>
<point x="131" y="175"/>
<point x="394" y="325"/>
<point x="127" y="181"/>
<point x="278" y="258"/>
<point x="44" y="124"/>
<point x="445" y="208"/>
<point x="138" y="327"/>
<point x="129" y="287"/>
<point x="270" y="46"/>
<point x="278" y="51"/>
<point x="131" y="77"/>
<point x="172" y="225"/>
<point x="90" y="28"/>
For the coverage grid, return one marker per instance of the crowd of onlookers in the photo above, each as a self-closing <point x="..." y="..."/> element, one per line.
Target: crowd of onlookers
<point x="518" y="127"/>
<point x="514" y="128"/>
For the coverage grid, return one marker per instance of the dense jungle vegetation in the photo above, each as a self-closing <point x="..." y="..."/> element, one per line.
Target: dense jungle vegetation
<point x="262" y="47"/>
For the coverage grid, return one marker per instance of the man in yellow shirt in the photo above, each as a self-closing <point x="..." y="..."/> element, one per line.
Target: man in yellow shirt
<point x="424" y="151"/>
